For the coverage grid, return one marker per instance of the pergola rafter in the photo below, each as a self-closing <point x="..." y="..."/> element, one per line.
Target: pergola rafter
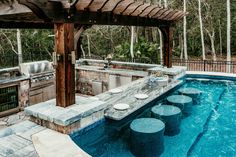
<point x="64" y="16"/>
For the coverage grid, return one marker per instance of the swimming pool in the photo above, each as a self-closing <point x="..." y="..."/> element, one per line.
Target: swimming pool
<point x="208" y="131"/>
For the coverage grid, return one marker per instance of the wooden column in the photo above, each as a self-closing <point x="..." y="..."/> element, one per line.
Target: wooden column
<point x="65" y="70"/>
<point x="167" y="46"/>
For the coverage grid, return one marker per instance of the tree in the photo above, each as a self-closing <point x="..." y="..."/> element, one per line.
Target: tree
<point x="201" y="29"/>
<point x="132" y="43"/>
<point x="19" y="46"/>
<point x="185" y="33"/>
<point x="228" y="35"/>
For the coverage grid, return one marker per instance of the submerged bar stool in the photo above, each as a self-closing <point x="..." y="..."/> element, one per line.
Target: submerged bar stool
<point x="146" y="135"/>
<point x="185" y="103"/>
<point x="191" y="92"/>
<point x="170" y="115"/>
<point x="194" y="93"/>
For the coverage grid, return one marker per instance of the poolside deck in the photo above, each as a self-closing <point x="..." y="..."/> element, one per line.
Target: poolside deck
<point x="31" y="140"/>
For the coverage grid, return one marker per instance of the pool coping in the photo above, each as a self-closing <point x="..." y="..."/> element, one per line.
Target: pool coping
<point x="211" y="75"/>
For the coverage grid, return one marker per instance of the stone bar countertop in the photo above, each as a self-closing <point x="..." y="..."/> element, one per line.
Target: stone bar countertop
<point x="127" y="96"/>
<point x="124" y="72"/>
<point x="13" y="79"/>
<point x="119" y="63"/>
<point x="175" y="70"/>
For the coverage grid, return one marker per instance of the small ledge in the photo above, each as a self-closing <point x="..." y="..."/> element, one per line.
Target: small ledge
<point x="48" y="110"/>
<point x="175" y="70"/>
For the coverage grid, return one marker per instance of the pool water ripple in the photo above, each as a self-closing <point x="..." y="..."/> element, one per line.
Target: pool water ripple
<point x="214" y="118"/>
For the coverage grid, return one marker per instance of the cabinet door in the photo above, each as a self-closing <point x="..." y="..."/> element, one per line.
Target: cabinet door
<point x="49" y="92"/>
<point x="36" y="96"/>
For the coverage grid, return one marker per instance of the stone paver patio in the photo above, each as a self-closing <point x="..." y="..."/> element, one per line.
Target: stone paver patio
<point x="12" y="119"/>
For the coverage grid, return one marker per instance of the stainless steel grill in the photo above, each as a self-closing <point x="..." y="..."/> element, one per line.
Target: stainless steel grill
<point x="42" y="80"/>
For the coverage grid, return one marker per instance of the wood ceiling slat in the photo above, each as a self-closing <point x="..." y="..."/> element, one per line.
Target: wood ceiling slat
<point x="110" y="5"/>
<point x="154" y="12"/>
<point x="180" y="16"/>
<point x="148" y="10"/>
<point x="165" y="13"/>
<point x="122" y="6"/>
<point x="160" y="13"/>
<point x="176" y="15"/>
<point x="96" y="5"/>
<point x="82" y="4"/>
<point x="167" y="17"/>
<point x="132" y="8"/>
<point x="140" y="10"/>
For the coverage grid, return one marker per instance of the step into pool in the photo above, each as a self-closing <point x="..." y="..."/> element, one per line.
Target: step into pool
<point x="209" y="131"/>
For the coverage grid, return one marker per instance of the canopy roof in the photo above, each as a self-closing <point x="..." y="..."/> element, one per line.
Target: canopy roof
<point x="43" y="13"/>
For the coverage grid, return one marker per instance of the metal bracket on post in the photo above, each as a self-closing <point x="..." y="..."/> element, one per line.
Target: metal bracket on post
<point x="54" y="58"/>
<point x="71" y="57"/>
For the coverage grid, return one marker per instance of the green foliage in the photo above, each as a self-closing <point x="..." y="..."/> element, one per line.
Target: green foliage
<point x="36" y="45"/>
<point x="144" y="51"/>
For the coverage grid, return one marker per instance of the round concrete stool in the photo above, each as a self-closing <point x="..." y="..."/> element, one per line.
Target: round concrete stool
<point x="191" y="92"/>
<point x="183" y="102"/>
<point x="147" y="137"/>
<point x="170" y="115"/>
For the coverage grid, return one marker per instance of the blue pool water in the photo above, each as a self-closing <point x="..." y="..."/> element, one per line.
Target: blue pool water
<point x="210" y="131"/>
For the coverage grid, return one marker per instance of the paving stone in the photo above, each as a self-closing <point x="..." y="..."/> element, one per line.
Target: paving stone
<point x="13" y="119"/>
<point x="28" y="134"/>
<point x="11" y="144"/>
<point x="28" y="151"/>
<point x="23" y="126"/>
<point x="6" y="132"/>
<point x="3" y="123"/>
<point x="2" y="127"/>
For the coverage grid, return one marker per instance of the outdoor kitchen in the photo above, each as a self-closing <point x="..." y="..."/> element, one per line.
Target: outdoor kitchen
<point x="26" y="85"/>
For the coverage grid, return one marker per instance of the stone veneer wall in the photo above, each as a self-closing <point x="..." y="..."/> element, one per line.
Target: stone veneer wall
<point x="71" y="128"/>
<point x="24" y="94"/>
<point x="85" y="78"/>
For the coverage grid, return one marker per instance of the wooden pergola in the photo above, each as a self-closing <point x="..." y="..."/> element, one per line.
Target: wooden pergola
<point x="70" y="17"/>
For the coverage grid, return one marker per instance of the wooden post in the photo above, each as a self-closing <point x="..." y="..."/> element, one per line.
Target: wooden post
<point x="65" y="70"/>
<point x="167" y="49"/>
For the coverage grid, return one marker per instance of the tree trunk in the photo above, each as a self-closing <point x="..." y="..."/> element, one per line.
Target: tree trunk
<point x="132" y="43"/>
<point x="165" y="3"/>
<point x="161" y="46"/>
<point x="201" y="29"/>
<point x="212" y="39"/>
<point x="89" y="51"/>
<point x="19" y="46"/>
<point x="82" y="49"/>
<point x="228" y="35"/>
<point x="220" y="36"/>
<point x="181" y="47"/>
<point x="185" y="34"/>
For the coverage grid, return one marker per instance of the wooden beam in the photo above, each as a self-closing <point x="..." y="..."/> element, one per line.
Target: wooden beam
<point x="65" y="70"/>
<point x="28" y="25"/>
<point x="168" y="39"/>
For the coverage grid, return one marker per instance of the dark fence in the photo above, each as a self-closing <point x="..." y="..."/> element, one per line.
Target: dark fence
<point x="206" y="65"/>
